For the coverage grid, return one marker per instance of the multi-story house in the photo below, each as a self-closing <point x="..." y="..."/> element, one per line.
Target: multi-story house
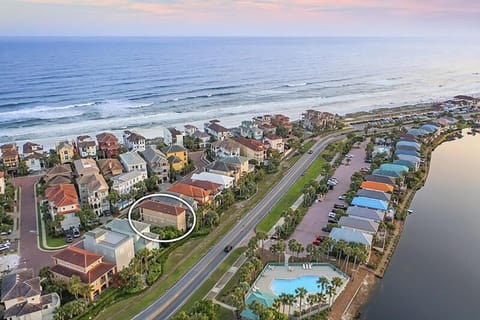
<point x="10" y="158"/>
<point x="275" y="142"/>
<point x="203" y="138"/>
<point x="115" y="247"/>
<point x="214" y="189"/>
<point x="252" y="149"/>
<point x="157" y="163"/>
<point x="2" y="182"/>
<point x="93" y="190"/>
<point x="312" y="119"/>
<point x="250" y="129"/>
<point x="177" y="156"/>
<point x="86" y="147"/>
<point x="63" y="200"/>
<point x="132" y="161"/>
<point x="30" y="148"/>
<point x="85" y="167"/>
<point x="163" y="214"/>
<point x="133" y="141"/>
<point x="190" y="130"/>
<point x="215" y="130"/>
<point x="87" y="265"/>
<point x="110" y="167"/>
<point x="282" y="121"/>
<point x="172" y="136"/>
<point x="123" y="183"/>
<point x="35" y="162"/>
<point x="192" y="193"/>
<point x="225" y="148"/>
<point x="225" y="181"/>
<point x="108" y="144"/>
<point x="59" y="174"/>
<point x="65" y="151"/>
<point x="23" y="299"/>
<point x="123" y="226"/>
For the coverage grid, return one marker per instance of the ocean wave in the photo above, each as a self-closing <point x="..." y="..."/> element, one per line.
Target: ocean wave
<point x="296" y="85"/>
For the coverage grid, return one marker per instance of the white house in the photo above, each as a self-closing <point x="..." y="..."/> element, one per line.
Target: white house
<point x="225" y="148"/>
<point x="34" y="162"/>
<point x="124" y="182"/>
<point x="203" y="138"/>
<point x="132" y="161"/>
<point x="275" y="142"/>
<point x="190" y="130"/>
<point x="133" y="141"/>
<point x="86" y="146"/>
<point x="93" y="190"/>
<point x="225" y="181"/>
<point x="217" y="131"/>
<point x="172" y="136"/>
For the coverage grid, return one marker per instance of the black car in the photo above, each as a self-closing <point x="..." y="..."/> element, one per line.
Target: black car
<point x="339" y="206"/>
<point x="69" y="238"/>
<point x="228" y="248"/>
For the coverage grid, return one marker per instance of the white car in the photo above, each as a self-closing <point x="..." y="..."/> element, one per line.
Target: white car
<point x="332" y="215"/>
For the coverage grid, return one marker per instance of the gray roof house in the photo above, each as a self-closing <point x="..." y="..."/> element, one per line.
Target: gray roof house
<point x="380" y="179"/>
<point x="362" y="225"/>
<point x="132" y="161"/>
<point x="122" y="226"/>
<point x="157" y="162"/>
<point x="373" y="194"/>
<point x="366" y="213"/>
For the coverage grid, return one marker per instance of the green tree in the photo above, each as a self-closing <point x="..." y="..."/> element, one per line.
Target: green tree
<point x="85" y="214"/>
<point x="300" y="294"/>
<point x="22" y="169"/>
<point x="262" y="236"/>
<point x="75" y="286"/>
<point x="113" y="197"/>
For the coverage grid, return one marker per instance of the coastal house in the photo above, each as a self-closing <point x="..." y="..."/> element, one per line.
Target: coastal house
<point x="418" y="133"/>
<point x="366" y="213"/>
<point x="283" y="122"/>
<point x="85" y="167"/>
<point x="250" y="129"/>
<point x="215" y="130"/>
<point x="63" y="200"/>
<point x="225" y="148"/>
<point x="407" y="152"/>
<point x="231" y="166"/>
<point x="35" y="162"/>
<point x="190" y="129"/>
<point x="172" y="136"/>
<point x="274" y="142"/>
<point x="133" y="141"/>
<point x="10" y="157"/>
<point x="2" y="182"/>
<point x="23" y="299"/>
<point x="379" y="186"/>
<point x="65" y="151"/>
<point x="408" y="145"/>
<point x="87" y="265"/>
<point x="31" y="148"/>
<point x="132" y="161"/>
<point x="268" y="129"/>
<point x="177" y="156"/>
<point x="59" y="174"/>
<point x="408" y="163"/>
<point x="369" y="203"/>
<point x="215" y="189"/>
<point x="252" y="149"/>
<point x="157" y="163"/>
<point x="108" y="145"/>
<point x="115" y="247"/>
<point x="110" y="167"/>
<point x="86" y="147"/>
<point x="124" y="183"/>
<point x="388" y="173"/>
<point x="362" y="225"/>
<point x="163" y="214"/>
<point x="374" y="194"/>
<point x="123" y="226"/>
<point x="312" y="119"/>
<point x="203" y="139"/>
<point x="225" y="181"/>
<point x="394" y="167"/>
<point x="93" y="190"/>
<point x="351" y="235"/>
<point x="192" y="193"/>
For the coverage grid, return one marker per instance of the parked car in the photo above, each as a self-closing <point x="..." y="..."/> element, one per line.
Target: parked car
<point x="321" y="238"/>
<point x="332" y="220"/>
<point x="68" y="238"/>
<point x="316" y="242"/>
<point x="339" y="206"/>
<point x="342" y="197"/>
<point x="76" y="232"/>
<point x="332" y="214"/>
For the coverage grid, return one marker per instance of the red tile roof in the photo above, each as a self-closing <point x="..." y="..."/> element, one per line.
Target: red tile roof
<point x="250" y="143"/>
<point x="105" y="137"/>
<point x="77" y="256"/>
<point x="162" y="207"/>
<point x="217" y="128"/>
<point x="205" y="185"/>
<point x="89" y="277"/>
<point x="189" y="190"/>
<point x="2" y="174"/>
<point x="63" y="195"/>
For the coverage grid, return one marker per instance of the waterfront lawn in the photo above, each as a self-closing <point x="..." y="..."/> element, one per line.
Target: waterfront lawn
<point x="292" y="195"/>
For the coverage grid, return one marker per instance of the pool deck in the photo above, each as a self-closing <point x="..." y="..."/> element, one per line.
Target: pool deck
<point x="295" y="270"/>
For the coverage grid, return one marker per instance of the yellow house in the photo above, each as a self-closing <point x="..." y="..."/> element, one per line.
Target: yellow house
<point x="177" y="156"/>
<point x="65" y="151"/>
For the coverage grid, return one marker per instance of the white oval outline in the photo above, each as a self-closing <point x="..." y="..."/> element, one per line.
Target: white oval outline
<point x="161" y="195"/>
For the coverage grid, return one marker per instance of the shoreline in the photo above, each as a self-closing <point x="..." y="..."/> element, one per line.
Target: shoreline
<point x="372" y="277"/>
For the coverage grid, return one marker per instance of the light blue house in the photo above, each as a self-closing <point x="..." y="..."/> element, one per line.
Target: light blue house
<point x="394" y="167"/>
<point x="407" y="152"/>
<point x="349" y="235"/>
<point x="393" y="174"/>
<point x="430" y="128"/>
<point x="370" y="203"/>
<point x="408" y="145"/>
<point x="417" y="132"/>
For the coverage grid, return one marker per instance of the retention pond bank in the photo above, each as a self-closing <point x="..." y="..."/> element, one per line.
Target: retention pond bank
<point x="433" y="273"/>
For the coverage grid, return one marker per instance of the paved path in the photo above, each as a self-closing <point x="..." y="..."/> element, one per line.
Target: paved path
<point x="29" y="252"/>
<point x="165" y="306"/>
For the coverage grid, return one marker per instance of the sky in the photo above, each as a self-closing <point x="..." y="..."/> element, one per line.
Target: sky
<point x="239" y="18"/>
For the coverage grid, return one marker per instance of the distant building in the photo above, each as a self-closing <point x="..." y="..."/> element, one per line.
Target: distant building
<point x="230" y="166"/>
<point x="115" y="247"/>
<point x="215" y="130"/>
<point x="63" y="200"/>
<point x="87" y="265"/>
<point x="366" y="213"/>
<point x="215" y="189"/>
<point x="10" y="157"/>
<point x="86" y="147"/>
<point x="361" y="225"/>
<point x="35" y="162"/>
<point x="132" y="161"/>
<point x="252" y="149"/>
<point x="108" y="144"/>
<point x="133" y="141"/>
<point x="177" y="156"/>
<point x="93" y="190"/>
<point x="172" y="136"/>
<point x="282" y="121"/>
<point x="312" y="119"/>
<point x="225" y="181"/>
<point x="225" y="148"/>
<point x="31" y="148"/>
<point x="163" y="214"/>
<point x="85" y="167"/>
<point x="110" y="167"/>
<point x="157" y="163"/>
<point x="123" y="183"/>
<point x="65" y="151"/>
<point x="203" y="139"/>
<point x="275" y="142"/>
<point x="249" y="129"/>
<point x="23" y="299"/>
<point x="123" y="226"/>
<point x="190" y="130"/>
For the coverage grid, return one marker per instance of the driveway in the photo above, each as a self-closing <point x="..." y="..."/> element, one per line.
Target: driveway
<point x="317" y="216"/>
<point x="30" y="255"/>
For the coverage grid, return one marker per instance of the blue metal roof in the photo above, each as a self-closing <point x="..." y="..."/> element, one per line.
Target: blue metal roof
<point x="407" y="163"/>
<point x="370" y="203"/>
<point x="408" y="157"/>
<point x="387" y="173"/>
<point x="411" y="144"/>
<point x="393" y="167"/>
<point x="417" y="132"/>
<point x="407" y="152"/>
<point x="349" y="235"/>
<point x="429" y="128"/>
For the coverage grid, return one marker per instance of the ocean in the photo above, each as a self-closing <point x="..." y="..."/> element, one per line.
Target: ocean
<point x="54" y="88"/>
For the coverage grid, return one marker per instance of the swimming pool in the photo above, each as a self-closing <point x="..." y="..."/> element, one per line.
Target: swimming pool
<point x="288" y="286"/>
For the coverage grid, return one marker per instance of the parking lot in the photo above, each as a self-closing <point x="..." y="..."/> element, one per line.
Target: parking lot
<point x="317" y="216"/>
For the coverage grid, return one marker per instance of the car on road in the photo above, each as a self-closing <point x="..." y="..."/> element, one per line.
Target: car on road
<point x="228" y="248"/>
<point x="310" y="151"/>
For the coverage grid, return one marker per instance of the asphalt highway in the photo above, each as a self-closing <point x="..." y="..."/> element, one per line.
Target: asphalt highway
<point x="166" y="306"/>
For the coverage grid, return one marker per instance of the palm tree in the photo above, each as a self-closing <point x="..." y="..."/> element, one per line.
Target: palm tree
<point x="340" y="246"/>
<point x="85" y="291"/>
<point x="281" y="248"/>
<point x="348" y="253"/>
<point x="321" y="298"/>
<point x="290" y="301"/>
<point x="312" y="299"/>
<point x="331" y="293"/>
<point x="301" y="293"/>
<point x="322" y="283"/>
<point x="283" y="300"/>
<point x="75" y="286"/>
<point x="262" y="236"/>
